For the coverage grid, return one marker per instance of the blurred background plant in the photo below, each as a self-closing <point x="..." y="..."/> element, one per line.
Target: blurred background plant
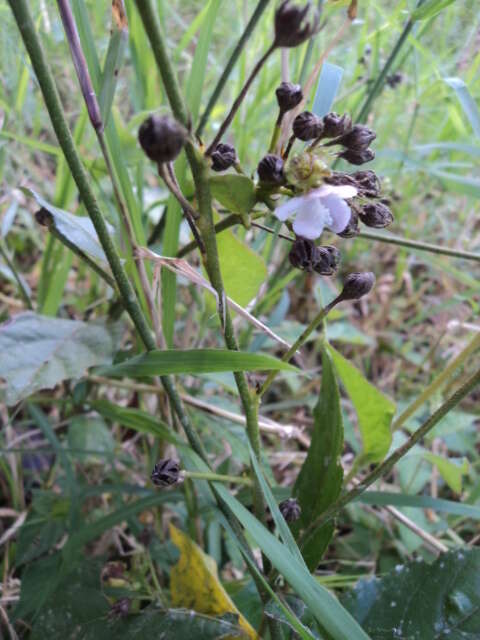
<point x="77" y="499"/>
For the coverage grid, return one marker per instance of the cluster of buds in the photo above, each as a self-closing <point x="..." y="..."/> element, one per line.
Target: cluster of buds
<point x="307" y="256"/>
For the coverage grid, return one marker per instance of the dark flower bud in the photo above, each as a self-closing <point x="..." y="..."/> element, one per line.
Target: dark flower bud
<point x="223" y="157"/>
<point x="291" y="28"/>
<point x="289" y="95"/>
<point x="351" y="230"/>
<point x="367" y="183"/>
<point x="270" y="169"/>
<point x="357" y="157"/>
<point x="44" y="217"/>
<point x="357" y="139"/>
<point x="303" y="254"/>
<point x="307" y="126"/>
<point x="327" y="260"/>
<point x="394" y="79"/>
<point x="290" y="509"/>
<point x="165" y="472"/>
<point x="339" y="179"/>
<point x="376" y="215"/>
<point x="357" y="285"/>
<point x="162" y="138"/>
<point x="334" y="125"/>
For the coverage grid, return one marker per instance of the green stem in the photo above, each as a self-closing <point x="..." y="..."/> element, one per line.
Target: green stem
<point x="317" y="320"/>
<point x="386" y="466"/>
<point x="18" y="280"/>
<point x="235" y="106"/>
<point x="216" y="477"/>
<point x="275" y="136"/>
<point x="51" y="97"/>
<point x="261" y="6"/>
<point x="419" y="246"/>
<point x="472" y="346"/>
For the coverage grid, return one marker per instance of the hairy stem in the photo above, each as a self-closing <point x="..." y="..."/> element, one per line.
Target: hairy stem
<point x="388" y="464"/>
<point x="49" y="91"/>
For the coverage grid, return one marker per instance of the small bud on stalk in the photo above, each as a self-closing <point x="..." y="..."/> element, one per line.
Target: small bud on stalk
<point x="165" y="472"/>
<point x="357" y="157"/>
<point x="357" y="139"/>
<point x="162" y="138"/>
<point x="270" y="169"/>
<point x="357" y="285"/>
<point x="335" y="125"/>
<point x="290" y="509"/>
<point x="223" y="157"/>
<point x="289" y="95"/>
<point x="327" y="259"/>
<point x="307" y="126"/>
<point x="291" y="28"/>
<point x="376" y="215"/>
<point x="352" y="229"/>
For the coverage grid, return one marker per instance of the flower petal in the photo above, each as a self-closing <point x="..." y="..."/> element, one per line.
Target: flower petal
<point x="286" y="209"/>
<point x="341" y="190"/>
<point x="311" y="219"/>
<point x="339" y="212"/>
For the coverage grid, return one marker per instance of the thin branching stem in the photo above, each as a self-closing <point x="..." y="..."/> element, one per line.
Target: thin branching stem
<point x="388" y="464"/>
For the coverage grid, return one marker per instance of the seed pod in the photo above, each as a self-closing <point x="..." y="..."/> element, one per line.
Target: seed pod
<point x="165" y="472"/>
<point x="289" y="95"/>
<point x="334" y="125"/>
<point x="290" y="509"/>
<point x="351" y="230"/>
<point x="307" y="126"/>
<point x="303" y="254"/>
<point x="357" y="285"/>
<point x="44" y="217"/>
<point x="376" y="215"/>
<point x="357" y="157"/>
<point x="327" y="259"/>
<point x="223" y="157"/>
<point x="367" y="183"/>
<point x="291" y="28"/>
<point x="339" y="179"/>
<point x="357" y="139"/>
<point x="162" y="138"/>
<point x="270" y="169"/>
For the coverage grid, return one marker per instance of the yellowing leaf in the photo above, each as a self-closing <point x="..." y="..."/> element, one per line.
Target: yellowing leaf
<point x="451" y="472"/>
<point x="194" y="582"/>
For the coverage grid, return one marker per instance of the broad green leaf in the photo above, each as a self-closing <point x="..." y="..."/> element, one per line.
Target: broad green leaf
<point x="320" y="479"/>
<point x="235" y="192"/>
<point x="160" y="363"/>
<point x="430" y="8"/>
<point x="79" y="230"/>
<point x="39" y="581"/>
<point x="194" y="582"/>
<point x="92" y="434"/>
<point x="374" y="410"/>
<point x="39" y="352"/>
<point x="417" y="600"/>
<point x="243" y="270"/>
<point x="452" y="473"/>
<point x="469" y="105"/>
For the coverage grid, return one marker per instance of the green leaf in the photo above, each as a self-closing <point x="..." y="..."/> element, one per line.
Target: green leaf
<point x="39" y="352"/>
<point x="420" y="502"/>
<point x="320" y="479"/>
<point x="113" y="62"/>
<point x="452" y="473"/>
<point x="416" y="600"/>
<point x="374" y="410"/>
<point x="243" y="270"/>
<point x="324" y="606"/>
<point x="160" y="363"/>
<point x="39" y="581"/>
<point x="79" y="230"/>
<point x="235" y="192"/>
<point x="92" y="434"/>
<point x="469" y="105"/>
<point x="430" y="8"/>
